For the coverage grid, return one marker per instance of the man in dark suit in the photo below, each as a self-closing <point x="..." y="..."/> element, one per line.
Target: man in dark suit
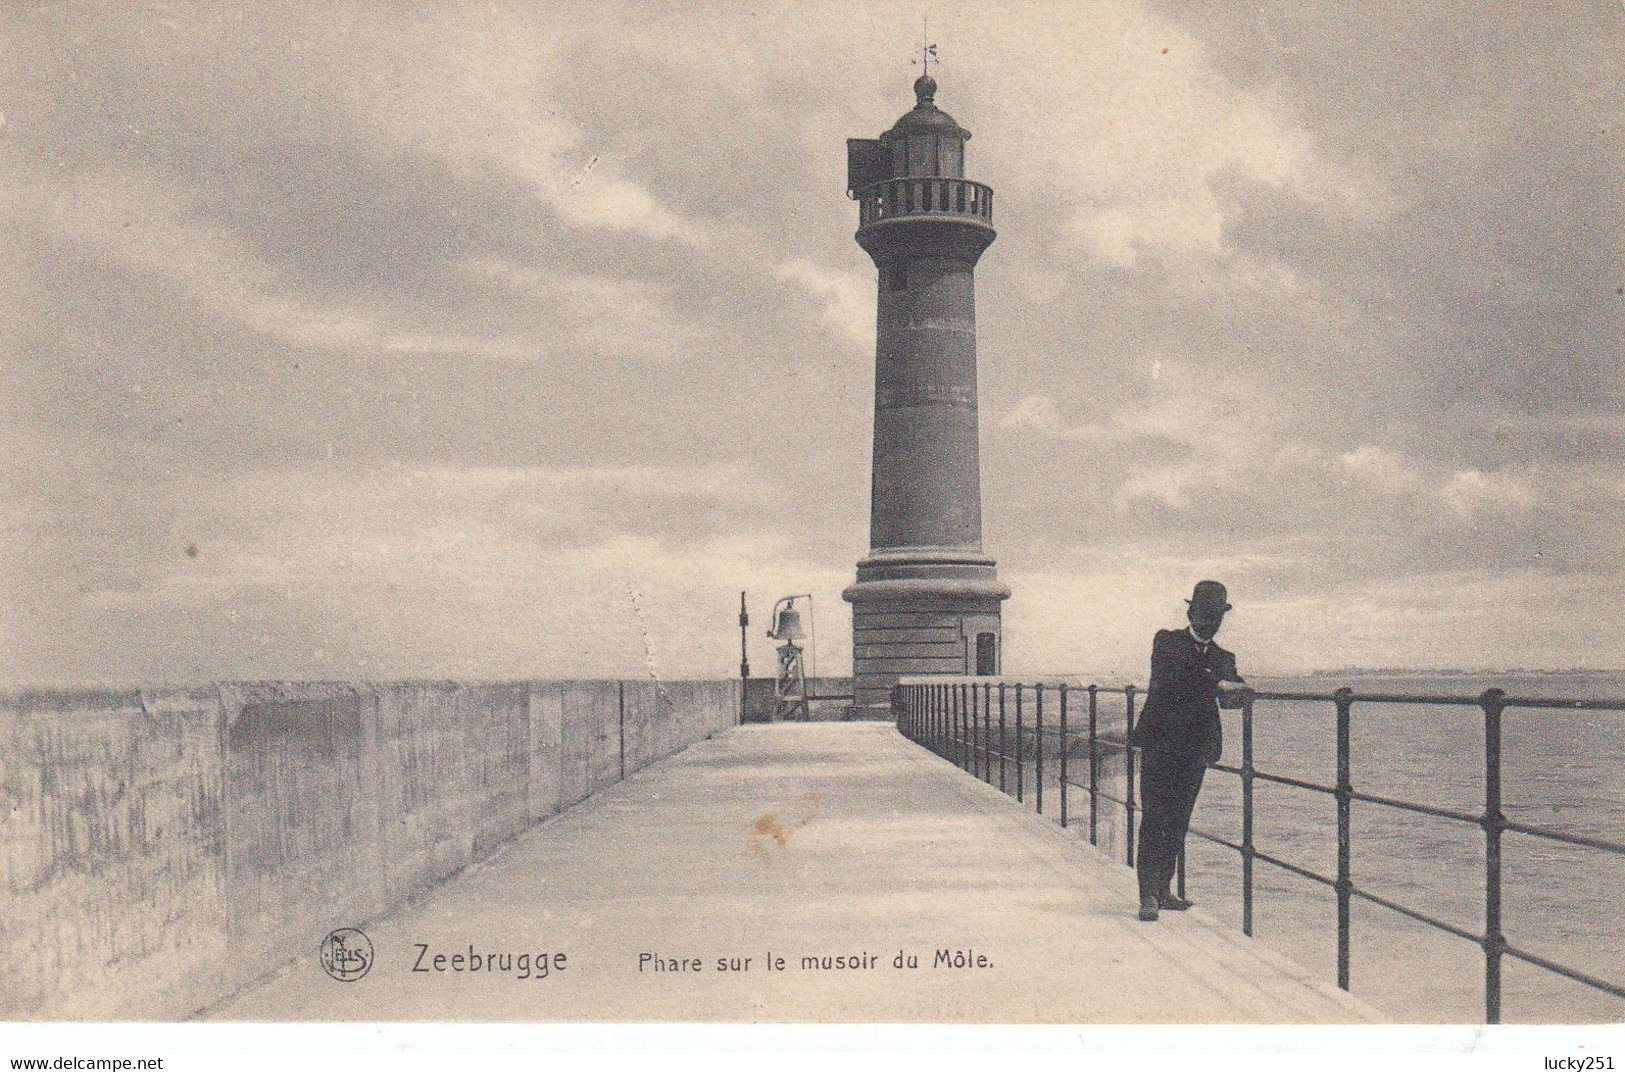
<point x="1179" y="735"/>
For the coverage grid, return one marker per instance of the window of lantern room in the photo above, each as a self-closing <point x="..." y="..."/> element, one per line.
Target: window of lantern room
<point x="922" y="154"/>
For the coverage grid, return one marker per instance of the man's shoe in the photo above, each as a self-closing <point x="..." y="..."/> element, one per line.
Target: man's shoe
<point x="1148" y="909"/>
<point x="1172" y="903"/>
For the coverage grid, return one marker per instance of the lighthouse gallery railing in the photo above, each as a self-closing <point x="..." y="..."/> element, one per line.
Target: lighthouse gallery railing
<point x="924" y="196"/>
<point x="989" y="728"/>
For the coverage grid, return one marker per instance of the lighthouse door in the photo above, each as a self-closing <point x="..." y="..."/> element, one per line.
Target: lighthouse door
<point x="987" y="654"/>
<point x="981" y="635"/>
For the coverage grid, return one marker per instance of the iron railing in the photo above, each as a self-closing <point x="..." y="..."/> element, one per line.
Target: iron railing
<point x="980" y="724"/>
<point x="924" y="196"/>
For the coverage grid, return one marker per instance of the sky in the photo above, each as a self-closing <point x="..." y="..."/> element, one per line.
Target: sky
<point x="492" y="341"/>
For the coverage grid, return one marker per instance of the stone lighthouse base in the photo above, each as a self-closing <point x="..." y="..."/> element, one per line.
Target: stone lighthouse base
<point x="922" y="612"/>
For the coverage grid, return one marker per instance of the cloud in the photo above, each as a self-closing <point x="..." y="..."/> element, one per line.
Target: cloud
<point x="483" y="104"/>
<point x="1041" y="414"/>
<point x="1134" y="174"/>
<point x="1192" y="226"/>
<point x="145" y="227"/>
<point x="1467" y="492"/>
<point x="1379" y="469"/>
<point x="620" y="205"/>
<point x="847" y="298"/>
<point x="1470" y="492"/>
<point x="610" y="317"/>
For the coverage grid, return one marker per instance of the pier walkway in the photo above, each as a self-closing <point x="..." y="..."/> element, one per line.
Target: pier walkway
<point x="792" y="841"/>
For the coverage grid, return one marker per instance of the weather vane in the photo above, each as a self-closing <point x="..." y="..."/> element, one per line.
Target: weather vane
<point x="928" y="51"/>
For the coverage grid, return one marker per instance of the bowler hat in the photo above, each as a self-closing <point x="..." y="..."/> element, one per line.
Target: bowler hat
<point x="1209" y="595"/>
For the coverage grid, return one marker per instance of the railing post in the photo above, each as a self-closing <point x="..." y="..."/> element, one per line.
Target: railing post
<point x="961" y="693"/>
<point x="960" y="720"/>
<point x="968" y="704"/>
<point x="1128" y="770"/>
<point x="1345" y="701"/>
<point x="1038" y="758"/>
<point x="1064" y="749"/>
<point x="940" y="736"/>
<point x="964" y="725"/>
<point x="1094" y="767"/>
<point x="1247" y="816"/>
<point x="968" y="692"/>
<point x="931" y="715"/>
<point x="1001" y="738"/>
<point x="925" y="713"/>
<point x="982" y="741"/>
<point x="982" y="730"/>
<point x="1493" y="701"/>
<point x="987" y="732"/>
<point x="1021" y="747"/>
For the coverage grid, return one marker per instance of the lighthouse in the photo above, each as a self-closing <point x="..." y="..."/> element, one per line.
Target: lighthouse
<point x="927" y="597"/>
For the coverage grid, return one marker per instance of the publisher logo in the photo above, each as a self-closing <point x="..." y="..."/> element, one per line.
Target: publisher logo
<point x="346" y="954"/>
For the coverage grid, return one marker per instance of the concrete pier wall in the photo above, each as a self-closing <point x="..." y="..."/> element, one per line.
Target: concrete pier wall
<point x="160" y="848"/>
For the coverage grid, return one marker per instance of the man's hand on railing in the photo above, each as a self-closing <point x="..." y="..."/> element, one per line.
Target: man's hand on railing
<point x="1233" y="693"/>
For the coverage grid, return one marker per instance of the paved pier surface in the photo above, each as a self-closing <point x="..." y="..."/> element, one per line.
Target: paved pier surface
<point x="792" y="841"/>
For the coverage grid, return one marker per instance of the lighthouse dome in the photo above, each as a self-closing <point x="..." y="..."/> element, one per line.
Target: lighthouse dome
<point x="925" y="116"/>
<point x="925" y="141"/>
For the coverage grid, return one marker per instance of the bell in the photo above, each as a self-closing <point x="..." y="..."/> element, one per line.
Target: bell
<point x="788" y="625"/>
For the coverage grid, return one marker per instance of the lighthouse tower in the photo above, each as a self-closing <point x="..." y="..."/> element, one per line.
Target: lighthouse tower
<point x="927" y="598"/>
